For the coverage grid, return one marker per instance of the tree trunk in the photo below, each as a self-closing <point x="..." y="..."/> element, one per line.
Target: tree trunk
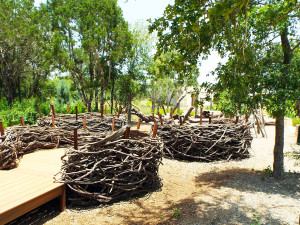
<point x="96" y="99"/>
<point x="278" y="149"/>
<point x="153" y="107"/>
<point x="129" y="109"/>
<point x="278" y="168"/>
<point x="178" y="103"/>
<point x="112" y="93"/>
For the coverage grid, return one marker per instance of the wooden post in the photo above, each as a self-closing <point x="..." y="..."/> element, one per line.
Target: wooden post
<point x="119" y="111"/>
<point x="209" y="119"/>
<point x="53" y="121"/>
<point x="236" y="119"/>
<point x="84" y="124"/>
<point x="212" y="115"/>
<point x="22" y="121"/>
<point x="76" y="111"/>
<point x="38" y="107"/>
<point x="125" y="110"/>
<point x="139" y="124"/>
<point x="127" y="132"/>
<point x="113" y="124"/>
<point x="161" y="119"/>
<point x="154" y="130"/>
<point x="87" y="108"/>
<point x="53" y="111"/>
<point x="201" y="115"/>
<point x="1" y="128"/>
<point x="246" y="118"/>
<point x="101" y="111"/>
<point x="298" y="135"/>
<point x="104" y="109"/>
<point x="75" y="139"/>
<point x="180" y="120"/>
<point x="68" y="107"/>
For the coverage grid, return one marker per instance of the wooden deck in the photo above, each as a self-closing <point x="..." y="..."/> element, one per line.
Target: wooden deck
<point x="31" y="184"/>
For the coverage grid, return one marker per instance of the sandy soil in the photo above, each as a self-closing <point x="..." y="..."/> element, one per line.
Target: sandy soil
<point x="238" y="192"/>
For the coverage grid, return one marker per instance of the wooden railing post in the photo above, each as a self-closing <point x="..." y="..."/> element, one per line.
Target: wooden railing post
<point x="180" y="120"/>
<point x="236" y="119"/>
<point x="201" y="115"/>
<point x="38" y="107"/>
<point x="1" y="128"/>
<point x="75" y="139"/>
<point x="84" y="124"/>
<point x="104" y="109"/>
<point x="113" y="124"/>
<point x="246" y="118"/>
<point x="53" y="121"/>
<point x="127" y="132"/>
<point x="154" y="130"/>
<point x="161" y="119"/>
<point x="68" y="107"/>
<point x="22" y="121"/>
<point x="139" y="124"/>
<point x="87" y="107"/>
<point x="53" y="111"/>
<point x="76" y="111"/>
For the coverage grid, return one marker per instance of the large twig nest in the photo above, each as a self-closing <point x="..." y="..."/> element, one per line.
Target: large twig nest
<point x="112" y="171"/>
<point x="206" y="143"/>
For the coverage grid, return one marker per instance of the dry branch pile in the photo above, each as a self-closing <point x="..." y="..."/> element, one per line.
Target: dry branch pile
<point x="94" y="122"/>
<point x="22" y="140"/>
<point x="206" y="143"/>
<point x="111" y="171"/>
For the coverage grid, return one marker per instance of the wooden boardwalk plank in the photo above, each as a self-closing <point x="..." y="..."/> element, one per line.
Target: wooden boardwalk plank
<point x="31" y="184"/>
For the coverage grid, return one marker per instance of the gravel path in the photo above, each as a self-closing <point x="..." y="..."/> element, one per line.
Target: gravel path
<point x="239" y="192"/>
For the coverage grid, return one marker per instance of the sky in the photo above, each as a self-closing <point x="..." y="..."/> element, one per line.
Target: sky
<point x="141" y="10"/>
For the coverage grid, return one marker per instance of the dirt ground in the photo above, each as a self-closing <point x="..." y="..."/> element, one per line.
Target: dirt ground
<point x="236" y="192"/>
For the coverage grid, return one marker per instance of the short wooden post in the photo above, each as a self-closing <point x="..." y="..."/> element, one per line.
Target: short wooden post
<point x="236" y="119"/>
<point x="53" y="121"/>
<point x="104" y="109"/>
<point x="209" y="119"/>
<point x="76" y="112"/>
<point x="68" y="107"/>
<point x="119" y="111"/>
<point x="38" y="107"/>
<point x="161" y="119"/>
<point x="246" y="118"/>
<point x="154" y="130"/>
<point x="127" y="132"/>
<point x="22" y="121"/>
<point x="212" y="115"/>
<point x="75" y="139"/>
<point x="298" y="135"/>
<point x="113" y="124"/>
<point x="53" y="111"/>
<point x="180" y="120"/>
<point x="1" y="128"/>
<point x="171" y="114"/>
<point x="139" y="124"/>
<point x="201" y="115"/>
<point x="87" y="108"/>
<point x="84" y="124"/>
